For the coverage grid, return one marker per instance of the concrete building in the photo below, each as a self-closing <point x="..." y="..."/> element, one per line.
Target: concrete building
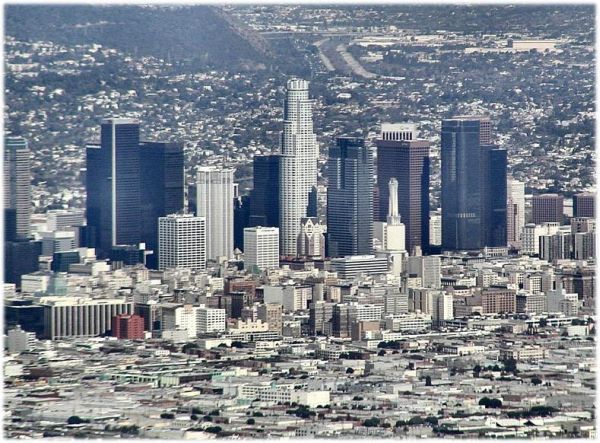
<point x="311" y="239"/>
<point x="261" y="248"/>
<point x="353" y="266"/>
<point x="18" y="340"/>
<point x="127" y="326"/>
<point x="214" y="200"/>
<point x="515" y="193"/>
<point x="530" y="238"/>
<point x="547" y="208"/>
<point x="182" y="242"/>
<point x="584" y="205"/>
<point x="391" y="233"/>
<point x="211" y="320"/>
<point x="271" y="313"/>
<point x="17" y="188"/>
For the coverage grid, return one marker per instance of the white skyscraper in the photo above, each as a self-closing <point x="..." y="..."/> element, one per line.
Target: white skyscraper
<point x="298" y="167"/>
<point x="181" y="242"/>
<point x="435" y="229"/>
<point x="515" y="193"/>
<point x="261" y="248"/>
<point x="391" y="234"/>
<point x="214" y="197"/>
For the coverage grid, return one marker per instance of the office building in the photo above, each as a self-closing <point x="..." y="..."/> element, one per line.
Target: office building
<point x="400" y="155"/>
<point x="320" y="318"/>
<point x="17" y="188"/>
<point x="527" y="303"/>
<point x="349" y="198"/>
<point x="352" y="266"/>
<point x="427" y="268"/>
<point x="80" y="317"/>
<point x="584" y="245"/>
<point x="515" y="211"/>
<point x="557" y="246"/>
<point x="18" y="340"/>
<point x="298" y="164"/>
<point x="261" y="248"/>
<point x="182" y="242"/>
<point x="113" y="186"/>
<point x="272" y="314"/>
<point x="547" y="208"/>
<point x="442" y="308"/>
<point x="211" y="320"/>
<point x="63" y="259"/>
<point x="20" y="257"/>
<point x="530" y="237"/>
<point x="473" y="185"/>
<point x="215" y="204"/>
<point x="241" y="219"/>
<point x="498" y="300"/>
<point x="162" y="190"/>
<point x="584" y="205"/>
<point x="264" y="198"/>
<point x="128" y="327"/>
<point x="58" y="241"/>
<point x="435" y="229"/>
<point x="59" y="219"/>
<point x="311" y="239"/>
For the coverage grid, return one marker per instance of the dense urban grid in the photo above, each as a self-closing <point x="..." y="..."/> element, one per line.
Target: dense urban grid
<point x="299" y="221"/>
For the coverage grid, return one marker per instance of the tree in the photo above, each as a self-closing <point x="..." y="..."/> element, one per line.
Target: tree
<point x="250" y="421"/>
<point x="416" y="420"/>
<point x="381" y="353"/>
<point x="510" y="365"/>
<point x="491" y="403"/>
<point x="76" y="420"/>
<point x="349" y="371"/>
<point x="428" y="381"/>
<point x="214" y="429"/>
<point x="477" y="370"/>
<point x="535" y="380"/>
<point x="371" y="422"/>
<point x="543" y="322"/>
<point x="167" y="415"/>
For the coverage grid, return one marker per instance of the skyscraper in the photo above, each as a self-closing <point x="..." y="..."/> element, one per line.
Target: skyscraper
<point x="162" y="189"/>
<point x="584" y="205"/>
<point x="547" y="208"/>
<point x="182" y="242"/>
<point x="473" y="185"/>
<point x="311" y="240"/>
<point x="17" y="188"/>
<point x="214" y="198"/>
<point x="113" y="185"/>
<point x="350" y="198"/>
<point x="298" y="167"/>
<point x="400" y="155"/>
<point x="392" y="233"/>
<point x="515" y="193"/>
<point x="264" y="198"/>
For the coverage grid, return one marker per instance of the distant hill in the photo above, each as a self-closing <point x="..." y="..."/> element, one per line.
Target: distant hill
<point x="198" y="32"/>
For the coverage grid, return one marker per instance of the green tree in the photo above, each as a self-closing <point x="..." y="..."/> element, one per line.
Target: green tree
<point x="250" y="421"/>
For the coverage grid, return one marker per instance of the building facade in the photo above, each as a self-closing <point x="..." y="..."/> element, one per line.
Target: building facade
<point x="349" y="198"/>
<point x="547" y="208"/>
<point x="182" y="242"/>
<point x="17" y="188"/>
<point x="298" y="164"/>
<point x="214" y="198"/>
<point x="261" y="248"/>
<point x="264" y="198"/>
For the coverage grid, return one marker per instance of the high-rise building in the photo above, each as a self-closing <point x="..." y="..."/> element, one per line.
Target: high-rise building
<point x="17" y="188"/>
<point x="57" y="241"/>
<point x="473" y="185"/>
<point x="298" y="164"/>
<point x="515" y="211"/>
<point x="128" y="326"/>
<point x="435" y="229"/>
<point x="182" y="242"/>
<point x="261" y="248"/>
<point x="241" y="219"/>
<point x="59" y="219"/>
<point x="162" y="189"/>
<point x="211" y="320"/>
<point x="271" y="313"/>
<point x="264" y="198"/>
<point x="584" y="205"/>
<point x="402" y="156"/>
<point x="20" y="257"/>
<point x="113" y="185"/>
<point x="547" y="208"/>
<point x="391" y="233"/>
<point x="311" y="239"/>
<point x="215" y="204"/>
<point x="350" y="198"/>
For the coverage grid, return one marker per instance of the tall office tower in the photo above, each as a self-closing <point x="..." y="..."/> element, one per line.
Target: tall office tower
<point x="17" y="188"/>
<point x="162" y="190"/>
<point x="473" y="185"/>
<point x="311" y="239"/>
<point x="493" y="196"/>
<point x="350" y="198"/>
<point x="402" y="156"/>
<point x="427" y="268"/>
<point x="442" y="308"/>
<point x="264" y="198"/>
<point x="20" y="257"/>
<point x="215" y="204"/>
<point x="113" y="186"/>
<point x="241" y="219"/>
<point x="515" y="211"/>
<point x="547" y="208"/>
<point x="261" y="248"/>
<point x="59" y="219"/>
<point x="298" y="163"/>
<point x="182" y="242"/>
<point x="584" y="205"/>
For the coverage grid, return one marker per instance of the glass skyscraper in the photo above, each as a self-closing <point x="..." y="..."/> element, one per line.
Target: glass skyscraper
<point x="113" y="185"/>
<point x="473" y="185"/>
<point x="350" y="198"/>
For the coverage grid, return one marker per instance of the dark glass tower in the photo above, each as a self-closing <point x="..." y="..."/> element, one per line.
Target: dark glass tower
<point x="350" y="198"/>
<point x="241" y="219"/>
<point x="473" y="185"/>
<point x="162" y="189"/>
<point x="264" y="207"/>
<point x="408" y="162"/>
<point x="113" y="185"/>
